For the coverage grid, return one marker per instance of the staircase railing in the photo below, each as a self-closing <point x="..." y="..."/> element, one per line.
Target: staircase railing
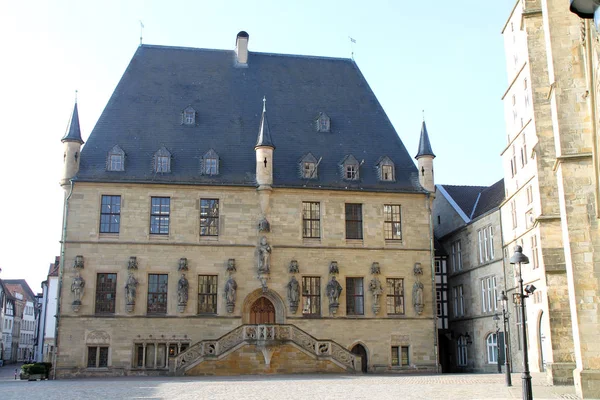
<point x="264" y="335"/>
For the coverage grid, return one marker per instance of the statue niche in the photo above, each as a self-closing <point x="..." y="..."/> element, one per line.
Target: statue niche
<point x="264" y="256"/>
<point x="293" y="294"/>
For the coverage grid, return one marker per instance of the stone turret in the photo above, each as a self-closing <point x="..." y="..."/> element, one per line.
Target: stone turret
<point x="425" y="158"/>
<point x="72" y="148"/>
<point x="264" y="168"/>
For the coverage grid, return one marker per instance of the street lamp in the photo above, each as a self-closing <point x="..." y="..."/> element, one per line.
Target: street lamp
<point x="517" y="259"/>
<point x="504" y="300"/>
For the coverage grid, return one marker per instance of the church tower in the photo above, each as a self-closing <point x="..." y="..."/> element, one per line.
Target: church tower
<point x="72" y="147"/>
<point x="425" y="158"/>
<point x="264" y="167"/>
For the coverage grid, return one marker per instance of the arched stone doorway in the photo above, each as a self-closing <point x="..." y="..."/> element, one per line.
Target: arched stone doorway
<point x="360" y="350"/>
<point x="253" y="300"/>
<point x="262" y="311"/>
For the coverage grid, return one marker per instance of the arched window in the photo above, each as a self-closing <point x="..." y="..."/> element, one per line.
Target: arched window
<point x="492" y="348"/>
<point x="461" y="351"/>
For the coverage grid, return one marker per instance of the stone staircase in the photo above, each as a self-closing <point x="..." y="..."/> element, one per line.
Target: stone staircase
<point x="265" y="337"/>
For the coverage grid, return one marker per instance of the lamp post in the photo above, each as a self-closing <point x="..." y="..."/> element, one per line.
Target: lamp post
<point x="496" y="320"/>
<point x="517" y="259"/>
<point x="504" y="300"/>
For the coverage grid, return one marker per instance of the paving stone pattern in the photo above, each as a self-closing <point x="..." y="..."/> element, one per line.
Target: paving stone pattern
<point x="313" y="387"/>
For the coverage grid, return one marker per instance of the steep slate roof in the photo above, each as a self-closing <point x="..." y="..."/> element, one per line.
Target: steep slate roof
<point x="490" y="199"/>
<point x="475" y="201"/>
<point x="144" y="113"/>
<point x="73" y="133"/>
<point x="424" y="145"/>
<point x="264" y="133"/>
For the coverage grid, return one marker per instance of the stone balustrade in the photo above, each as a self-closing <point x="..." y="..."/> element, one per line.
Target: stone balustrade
<point x="263" y="336"/>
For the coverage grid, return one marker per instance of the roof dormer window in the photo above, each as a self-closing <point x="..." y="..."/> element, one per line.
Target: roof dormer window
<point x="386" y="171"/>
<point x="308" y="167"/>
<point x="210" y="163"/>
<point x="323" y="122"/>
<point x="116" y="159"/>
<point x="188" y="117"/>
<point x="351" y="166"/>
<point x="162" y="161"/>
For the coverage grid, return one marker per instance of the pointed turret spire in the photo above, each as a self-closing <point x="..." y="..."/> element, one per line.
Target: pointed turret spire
<point x="73" y="133"/>
<point x="424" y="145"/>
<point x="264" y="134"/>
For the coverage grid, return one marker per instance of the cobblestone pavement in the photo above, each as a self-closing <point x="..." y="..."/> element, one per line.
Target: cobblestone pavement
<point x="312" y="387"/>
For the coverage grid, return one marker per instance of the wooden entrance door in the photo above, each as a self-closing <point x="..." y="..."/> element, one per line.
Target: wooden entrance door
<point x="262" y="312"/>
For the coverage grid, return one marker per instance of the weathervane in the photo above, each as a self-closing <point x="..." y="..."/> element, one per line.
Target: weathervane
<point x="352" y="43"/>
<point x="141" y="31"/>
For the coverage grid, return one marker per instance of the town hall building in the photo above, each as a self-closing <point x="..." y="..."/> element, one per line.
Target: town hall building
<point x="235" y="212"/>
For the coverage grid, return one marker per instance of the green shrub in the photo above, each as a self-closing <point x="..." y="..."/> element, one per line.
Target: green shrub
<point x="36" y="368"/>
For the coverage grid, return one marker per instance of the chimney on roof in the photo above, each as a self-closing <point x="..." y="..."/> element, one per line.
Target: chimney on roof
<point x="241" y="49"/>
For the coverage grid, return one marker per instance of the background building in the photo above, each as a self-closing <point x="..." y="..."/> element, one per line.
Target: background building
<point x="467" y="225"/>
<point x="551" y="179"/>
<point x="48" y="312"/>
<point x="305" y="249"/>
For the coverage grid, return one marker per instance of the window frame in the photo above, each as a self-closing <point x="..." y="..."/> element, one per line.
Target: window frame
<point x="311" y="301"/>
<point x="534" y="252"/>
<point x="391" y="222"/>
<point x="355" y="300"/>
<point x="209" y="224"/>
<point x="211" y="166"/>
<point x="491" y="342"/>
<point x="353" y="218"/>
<point x="309" y="230"/>
<point x="462" y="355"/>
<point x="160" y="219"/>
<point x="97" y="350"/>
<point x="398" y="356"/>
<point x="309" y="170"/>
<point x="208" y="288"/>
<point x="351" y="172"/>
<point x="114" y="217"/>
<point x="154" y="305"/>
<point x="115" y="162"/>
<point x="395" y="297"/>
<point x="163" y="164"/>
<point x="102" y="290"/>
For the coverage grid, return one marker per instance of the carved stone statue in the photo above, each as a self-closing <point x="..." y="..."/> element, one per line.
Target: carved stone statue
<point x="77" y="288"/>
<point x="264" y="256"/>
<point x="294" y="267"/>
<point x="182" y="290"/>
<point x="230" y="289"/>
<point x="264" y="226"/>
<point x="293" y="294"/>
<point x="333" y="289"/>
<point x="376" y="289"/>
<point x="418" y="297"/>
<point x="131" y="289"/>
<point x="231" y="265"/>
<point x="333" y="268"/>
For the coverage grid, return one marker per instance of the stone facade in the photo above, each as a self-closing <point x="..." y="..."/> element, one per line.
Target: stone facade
<point x="552" y="195"/>
<point x="238" y="239"/>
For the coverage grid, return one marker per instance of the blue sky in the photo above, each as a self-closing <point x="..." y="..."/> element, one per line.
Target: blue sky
<point x="444" y="57"/>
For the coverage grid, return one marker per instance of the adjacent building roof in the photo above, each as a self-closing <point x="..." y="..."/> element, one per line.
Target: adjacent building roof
<point x="145" y="113"/>
<point x="54" y="267"/>
<point x="20" y="286"/>
<point x="424" y="144"/>
<point x="474" y="201"/>
<point x="73" y="133"/>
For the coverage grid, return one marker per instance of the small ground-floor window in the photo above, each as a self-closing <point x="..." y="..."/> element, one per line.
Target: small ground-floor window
<point x="153" y="355"/>
<point x="461" y="353"/>
<point x="400" y="356"/>
<point x="97" y="357"/>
